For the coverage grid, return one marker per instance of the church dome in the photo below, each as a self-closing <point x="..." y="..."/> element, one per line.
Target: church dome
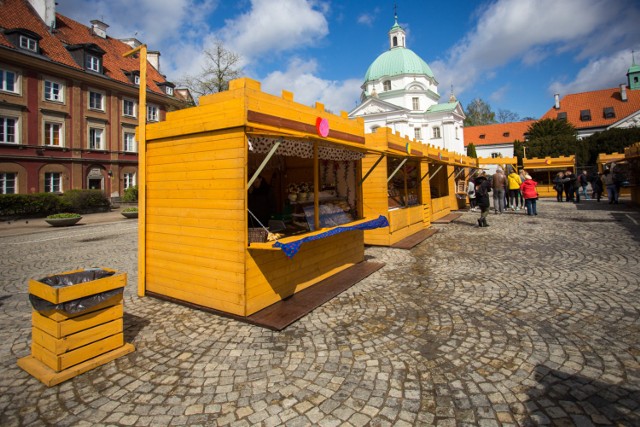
<point x="397" y="61"/>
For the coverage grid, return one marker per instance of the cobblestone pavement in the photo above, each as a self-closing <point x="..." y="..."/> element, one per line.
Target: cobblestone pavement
<point x="531" y="321"/>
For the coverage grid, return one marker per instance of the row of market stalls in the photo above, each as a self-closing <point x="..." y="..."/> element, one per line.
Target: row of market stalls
<point x="251" y="198"/>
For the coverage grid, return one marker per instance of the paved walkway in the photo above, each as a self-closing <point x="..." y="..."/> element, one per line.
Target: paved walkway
<point x="531" y="321"/>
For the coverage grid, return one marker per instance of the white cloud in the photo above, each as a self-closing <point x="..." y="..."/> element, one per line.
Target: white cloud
<point x="301" y="79"/>
<point x="273" y="26"/>
<point x="531" y="31"/>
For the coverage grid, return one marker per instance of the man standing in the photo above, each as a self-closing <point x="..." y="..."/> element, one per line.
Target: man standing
<point x="499" y="184"/>
<point x="583" y="180"/>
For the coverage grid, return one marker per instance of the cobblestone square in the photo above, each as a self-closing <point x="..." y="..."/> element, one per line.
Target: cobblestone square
<point x="531" y="321"/>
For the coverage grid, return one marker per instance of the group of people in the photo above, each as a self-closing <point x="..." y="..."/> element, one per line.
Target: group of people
<point x="570" y="186"/>
<point x="513" y="191"/>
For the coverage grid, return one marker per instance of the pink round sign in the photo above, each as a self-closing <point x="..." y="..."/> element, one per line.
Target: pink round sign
<point x="322" y="126"/>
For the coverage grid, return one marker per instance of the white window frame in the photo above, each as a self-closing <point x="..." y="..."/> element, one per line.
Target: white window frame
<point x="4" y="127"/>
<point x="436" y="132"/>
<point x="136" y="80"/>
<point x="49" y="95"/>
<point x="417" y="133"/>
<point x="153" y="113"/>
<point x="169" y="90"/>
<point x="415" y="103"/>
<point x="129" y="145"/>
<point x="28" y="43"/>
<point x="96" y="137"/>
<point x="93" y="62"/>
<point x="48" y="132"/>
<point x="129" y="179"/>
<point x="91" y="95"/>
<point x="4" y="180"/>
<point x="4" y="72"/>
<point x="53" y="181"/>
<point x="134" y="107"/>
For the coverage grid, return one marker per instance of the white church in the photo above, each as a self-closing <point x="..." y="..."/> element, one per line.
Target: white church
<point x="400" y="92"/>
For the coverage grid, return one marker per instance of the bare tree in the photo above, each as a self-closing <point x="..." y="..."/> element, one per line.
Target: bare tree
<point x="221" y="66"/>
<point x="507" y="116"/>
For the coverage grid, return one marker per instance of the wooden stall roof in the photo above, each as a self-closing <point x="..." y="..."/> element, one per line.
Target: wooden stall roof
<point x="464" y="161"/>
<point x="497" y="161"/>
<point x="632" y="151"/>
<point x="605" y="159"/>
<point x="245" y="105"/>
<point x="549" y="162"/>
<point x="438" y="154"/>
<point x="384" y="140"/>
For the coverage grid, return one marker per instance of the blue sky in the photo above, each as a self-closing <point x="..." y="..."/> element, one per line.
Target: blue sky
<point x="513" y="54"/>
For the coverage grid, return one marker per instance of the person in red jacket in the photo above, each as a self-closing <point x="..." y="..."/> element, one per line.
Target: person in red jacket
<point x="530" y="194"/>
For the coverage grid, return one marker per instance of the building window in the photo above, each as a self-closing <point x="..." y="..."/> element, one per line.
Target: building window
<point x="52" y="182"/>
<point x="585" y="115"/>
<point x="128" y="108"/>
<point x="28" y="43"/>
<point x="129" y="180"/>
<point x="8" y="81"/>
<point x="495" y="155"/>
<point x="96" y="138"/>
<point x="136" y="80"/>
<point x="53" y="91"/>
<point x="609" y="113"/>
<point x="8" y="183"/>
<point x="8" y="130"/>
<point x="153" y="113"/>
<point x="436" y="132"/>
<point x="129" y="139"/>
<point x="96" y="100"/>
<point x="169" y="90"/>
<point x="562" y="116"/>
<point x="386" y="85"/>
<point x="53" y="135"/>
<point x="416" y="103"/>
<point x="93" y="63"/>
<point x="418" y="133"/>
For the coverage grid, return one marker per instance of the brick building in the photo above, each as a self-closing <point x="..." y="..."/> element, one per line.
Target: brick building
<point x="69" y="102"/>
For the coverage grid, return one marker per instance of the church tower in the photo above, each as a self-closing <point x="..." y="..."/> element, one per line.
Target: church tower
<point x="633" y="74"/>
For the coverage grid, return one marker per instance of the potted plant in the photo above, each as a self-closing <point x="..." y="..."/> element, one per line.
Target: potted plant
<point x="63" y="219"/>
<point x="131" y="212"/>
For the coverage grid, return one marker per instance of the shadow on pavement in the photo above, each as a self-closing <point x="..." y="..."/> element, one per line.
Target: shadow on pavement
<point x="133" y="325"/>
<point x="561" y="392"/>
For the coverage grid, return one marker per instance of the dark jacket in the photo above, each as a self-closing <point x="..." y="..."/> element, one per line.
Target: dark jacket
<point x="483" y="188"/>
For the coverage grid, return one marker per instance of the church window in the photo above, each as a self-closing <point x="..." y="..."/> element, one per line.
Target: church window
<point x="395" y="41"/>
<point x="418" y="133"/>
<point x="387" y="85"/>
<point x="436" y="132"/>
<point x="416" y="103"/>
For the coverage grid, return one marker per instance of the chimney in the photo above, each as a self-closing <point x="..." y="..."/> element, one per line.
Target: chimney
<point x="623" y="92"/>
<point x="133" y="42"/>
<point x="47" y="11"/>
<point x="556" y="98"/>
<point x="99" y="28"/>
<point x="153" y="57"/>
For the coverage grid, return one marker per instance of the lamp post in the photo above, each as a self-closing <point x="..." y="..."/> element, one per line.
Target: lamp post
<point x="142" y="150"/>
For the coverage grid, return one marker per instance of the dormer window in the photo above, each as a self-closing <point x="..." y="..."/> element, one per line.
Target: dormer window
<point x="166" y="87"/>
<point x="609" y="113"/>
<point x="482" y="136"/>
<point x="93" y="63"/>
<point x="136" y="80"/>
<point x="134" y="76"/>
<point x="28" y="43"/>
<point x="562" y="116"/>
<point x="169" y="90"/>
<point x="585" y="115"/>
<point x="505" y="134"/>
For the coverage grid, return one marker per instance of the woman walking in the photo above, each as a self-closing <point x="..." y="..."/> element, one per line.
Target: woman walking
<point x="530" y="195"/>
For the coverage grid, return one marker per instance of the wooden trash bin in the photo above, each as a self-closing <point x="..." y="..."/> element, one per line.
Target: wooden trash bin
<point x="79" y="327"/>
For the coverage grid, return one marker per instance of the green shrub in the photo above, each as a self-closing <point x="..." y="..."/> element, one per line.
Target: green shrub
<point x="130" y="194"/>
<point x="131" y="209"/>
<point x="63" y="215"/>
<point x="30" y="204"/>
<point x="85" y="200"/>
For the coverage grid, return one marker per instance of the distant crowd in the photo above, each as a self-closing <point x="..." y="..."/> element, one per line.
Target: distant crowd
<point x="518" y="191"/>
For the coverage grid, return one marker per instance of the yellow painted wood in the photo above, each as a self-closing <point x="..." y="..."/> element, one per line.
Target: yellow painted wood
<point x="76" y="324"/>
<point x="80" y="290"/>
<point x="204" y="296"/>
<point x="58" y="346"/>
<point x="49" y="377"/>
<point x="79" y="355"/>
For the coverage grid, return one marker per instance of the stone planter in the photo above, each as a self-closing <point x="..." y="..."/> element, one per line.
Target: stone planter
<point x="62" y="222"/>
<point x="130" y="214"/>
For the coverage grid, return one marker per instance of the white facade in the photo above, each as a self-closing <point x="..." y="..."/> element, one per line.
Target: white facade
<point x="400" y="92"/>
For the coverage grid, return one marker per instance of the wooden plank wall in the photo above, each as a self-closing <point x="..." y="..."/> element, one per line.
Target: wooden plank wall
<point x="271" y="276"/>
<point x="375" y="200"/>
<point x="196" y="218"/>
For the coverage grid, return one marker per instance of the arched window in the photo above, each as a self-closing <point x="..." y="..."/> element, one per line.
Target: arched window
<point x="395" y="41"/>
<point x="387" y="85"/>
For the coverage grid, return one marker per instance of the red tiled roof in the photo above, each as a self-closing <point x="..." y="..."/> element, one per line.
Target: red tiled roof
<point x="596" y="101"/>
<point x="19" y="14"/>
<point x="499" y="133"/>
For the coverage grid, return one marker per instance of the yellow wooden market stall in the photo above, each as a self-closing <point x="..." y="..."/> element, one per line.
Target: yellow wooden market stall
<point x="395" y="184"/>
<point x="464" y="169"/>
<point x="632" y="156"/>
<point x="442" y="185"/>
<point x="544" y="170"/>
<point x="219" y="174"/>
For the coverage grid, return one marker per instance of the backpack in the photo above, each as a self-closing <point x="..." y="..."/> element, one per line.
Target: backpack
<point x="481" y="190"/>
